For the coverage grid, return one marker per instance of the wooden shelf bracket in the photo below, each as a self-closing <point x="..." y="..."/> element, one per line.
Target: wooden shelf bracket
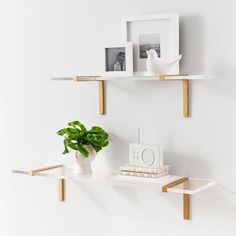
<point x="61" y="182"/>
<point x="185" y="84"/>
<point x="186" y="206"/>
<point x="186" y="197"/>
<point x="101" y="88"/>
<point x="185" y="91"/>
<point x="101" y="97"/>
<point x="61" y="189"/>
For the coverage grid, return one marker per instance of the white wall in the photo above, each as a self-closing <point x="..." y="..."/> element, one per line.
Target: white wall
<point x="42" y="39"/>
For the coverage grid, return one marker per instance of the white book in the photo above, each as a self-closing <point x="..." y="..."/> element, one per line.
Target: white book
<point x="146" y="175"/>
<point x="134" y="179"/>
<point x="140" y="169"/>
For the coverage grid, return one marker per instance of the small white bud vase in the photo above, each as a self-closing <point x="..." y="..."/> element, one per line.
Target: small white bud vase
<point x="83" y="164"/>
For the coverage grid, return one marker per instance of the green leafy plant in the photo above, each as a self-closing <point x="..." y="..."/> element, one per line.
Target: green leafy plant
<point x="76" y="137"/>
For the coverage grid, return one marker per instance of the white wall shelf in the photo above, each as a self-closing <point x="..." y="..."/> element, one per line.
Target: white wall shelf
<point x="170" y="183"/>
<point x="101" y="85"/>
<point x="134" y="78"/>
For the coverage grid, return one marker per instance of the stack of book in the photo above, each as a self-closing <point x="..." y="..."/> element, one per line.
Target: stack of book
<point x="138" y="171"/>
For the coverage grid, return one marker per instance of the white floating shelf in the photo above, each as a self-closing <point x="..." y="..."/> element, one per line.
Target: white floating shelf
<point x="190" y="186"/>
<point x="159" y="78"/>
<point x="168" y="183"/>
<point x="138" y="78"/>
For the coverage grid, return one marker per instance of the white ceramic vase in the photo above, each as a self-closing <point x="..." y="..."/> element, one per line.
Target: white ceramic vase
<point x="83" y="164"/>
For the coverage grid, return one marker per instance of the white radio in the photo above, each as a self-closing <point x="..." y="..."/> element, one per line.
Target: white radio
<point x="145" y="155"/>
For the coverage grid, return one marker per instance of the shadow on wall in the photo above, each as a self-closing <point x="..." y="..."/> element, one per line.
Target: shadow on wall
<point x="193" y="47"/>
<point x="188" y="165"/>
<point x="130" y="201"/>
<point x="219" y="202"/>
<point x="227" y="184"/>
<point x="192" y="44"/>
<point x="121" y="153"/>
<point x="92" y="195"/>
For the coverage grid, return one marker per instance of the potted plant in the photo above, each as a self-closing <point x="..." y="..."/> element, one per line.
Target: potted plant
<point x="86" y="144"/>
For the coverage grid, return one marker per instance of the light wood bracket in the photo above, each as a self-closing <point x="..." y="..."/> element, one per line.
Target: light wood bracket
<point x="185" y="97"/>
<point x="101" y="97"/>
<point x="101" y="88"/>
<point x="186" y="197"/>
<point x="162" y="77"/>
<point x="35" y="171"/>
<point x="185" y="91"/>
<point x="83" y="78"/>
<point x="172" y="184"/>
<point x="61" y="182"/>
<point x="61" y="190"/>
<point x="186" y="206"/>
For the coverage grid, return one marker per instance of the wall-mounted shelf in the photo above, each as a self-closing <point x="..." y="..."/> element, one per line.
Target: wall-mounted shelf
<point x="170" y="183"/>
<point x="101" y="83"/>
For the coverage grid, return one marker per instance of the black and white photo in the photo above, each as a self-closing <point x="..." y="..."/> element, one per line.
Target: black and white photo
<point x="148" y="42"/>
<point x="115" y="59"/>
<point x="118" y="59"/>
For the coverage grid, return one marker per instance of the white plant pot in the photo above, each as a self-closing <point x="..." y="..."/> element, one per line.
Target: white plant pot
<point x="83" y="164"/>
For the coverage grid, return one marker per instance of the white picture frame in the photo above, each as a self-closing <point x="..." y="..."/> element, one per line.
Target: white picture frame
<point x="146" y="31"/>
<point x="112" y="64"/>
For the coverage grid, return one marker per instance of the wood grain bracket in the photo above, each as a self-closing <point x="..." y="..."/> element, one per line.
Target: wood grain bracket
<point x="185" y="91"/>
<point x="61" y="182"/>
<point x="186" y="197"/>
<point x="174" y="183"/>
<point x="101" y="89"/>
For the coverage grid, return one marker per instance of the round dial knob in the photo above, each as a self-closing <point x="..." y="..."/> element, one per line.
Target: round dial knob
<point x="148" y="156"/>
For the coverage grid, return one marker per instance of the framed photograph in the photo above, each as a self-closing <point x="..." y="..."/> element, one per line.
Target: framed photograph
<point x="159" y="32"/>
<point x="118" y="59"/>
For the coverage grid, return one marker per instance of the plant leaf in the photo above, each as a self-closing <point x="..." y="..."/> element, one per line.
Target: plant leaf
<point x="83" y="150"/>
<point x="76" y="136"/>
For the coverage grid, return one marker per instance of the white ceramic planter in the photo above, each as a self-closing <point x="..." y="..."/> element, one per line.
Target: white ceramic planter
<point x="83" y="164"/>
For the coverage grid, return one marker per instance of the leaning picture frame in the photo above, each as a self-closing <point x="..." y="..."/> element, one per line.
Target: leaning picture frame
<point x="159" y="32"/>
<point x="118" y="60"/>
